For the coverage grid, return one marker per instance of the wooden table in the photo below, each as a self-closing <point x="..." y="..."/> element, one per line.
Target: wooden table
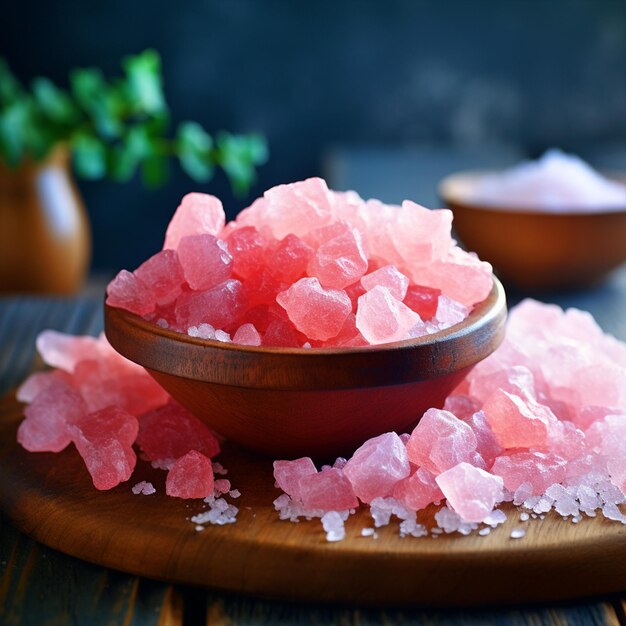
<point x="40" y="586"/>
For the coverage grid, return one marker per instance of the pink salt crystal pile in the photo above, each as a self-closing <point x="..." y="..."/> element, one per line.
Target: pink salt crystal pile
<point x="304" y="266"/>
<point x="105" y="405"/>
<point x="540" y="423"/>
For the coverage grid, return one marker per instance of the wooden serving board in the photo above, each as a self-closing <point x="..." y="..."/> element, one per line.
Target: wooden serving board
<point x="51" y="498"/>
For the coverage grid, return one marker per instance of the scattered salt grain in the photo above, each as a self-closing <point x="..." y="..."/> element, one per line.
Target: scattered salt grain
<point x="368" y="532"/>
<point x="222" y="485"/>
<point x="333" y="525"/>
<point x="144" y="488"/>
<point x="517" y="533"/>
<point x="523" y="516"/>
<point x="234" y="493"/>
<point x="483" y="532"/>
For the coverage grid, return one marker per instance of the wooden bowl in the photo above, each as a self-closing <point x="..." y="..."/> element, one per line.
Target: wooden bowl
<point x="322" y="402"/>
<point x="537" y="250"/>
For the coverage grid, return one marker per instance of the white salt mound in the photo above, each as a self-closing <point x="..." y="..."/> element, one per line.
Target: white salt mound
<point x="557" y="182"/>
<point x="333" y="525"/>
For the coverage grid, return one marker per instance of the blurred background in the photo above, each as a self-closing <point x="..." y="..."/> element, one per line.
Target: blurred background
<point x="383" y="97"/>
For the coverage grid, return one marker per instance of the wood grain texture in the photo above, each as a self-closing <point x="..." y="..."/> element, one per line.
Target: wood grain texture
<point x="319" y="402"/>
<point x="51" y="498"/>
<point x="534" y="249"/>
<point x="42" y="587"/>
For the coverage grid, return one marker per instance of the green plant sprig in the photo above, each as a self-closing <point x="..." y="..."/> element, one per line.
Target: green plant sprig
<point x="115" y="127"/>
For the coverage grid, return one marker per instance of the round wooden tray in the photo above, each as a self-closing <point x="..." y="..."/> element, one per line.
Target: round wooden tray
<point x="51" y="498"/>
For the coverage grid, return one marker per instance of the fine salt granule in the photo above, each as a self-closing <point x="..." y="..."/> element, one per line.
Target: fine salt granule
<point x="321" y="255"/>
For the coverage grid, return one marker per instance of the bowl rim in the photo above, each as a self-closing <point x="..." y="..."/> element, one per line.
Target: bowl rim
<point x="170" y="352"/>
<point x="454" y="200"/>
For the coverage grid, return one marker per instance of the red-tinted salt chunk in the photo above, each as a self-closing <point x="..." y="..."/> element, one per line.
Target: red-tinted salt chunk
<point x="329" y="490"/>
<point x="191" y="476"/>
<point x="470" y="491"/>
<point x="126" y="291"/>
<point x="220" y="306"/>
<point x="377" y="466"/>
<point x="536" y="468"/>
<point x="46" y="427"/>
<point x="39" y="381"/>
<point x="487" y="444"/>
<point x="262" y="288"/>
<point x="461" y="405"/>
<point x="315" y="311"/>
<point x="288" y="474"/>
<point x="418" y="490"/>
<point x="441" y="441"/>
<point x="65" y="351"/>
<point x="198" y="214"/>
<point x="288" y="260"/>
<point x="105" y="441"/>
<point x="111" y="382"/>
<point x="163" y="274"/>
<point x="517" y="422"/>
<point x="205" y="260"/>
<point x="247" y="247"/>
<point x="171" y="431"/>
<point x="387" y="276"/>
<point x="340" y="261"/>
<point x="282" y="334"/>
<point x="516" y="379"/>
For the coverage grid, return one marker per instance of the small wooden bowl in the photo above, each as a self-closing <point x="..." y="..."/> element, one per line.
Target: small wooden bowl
<point x="320" y="402"/>
<point x="536" y="250"/>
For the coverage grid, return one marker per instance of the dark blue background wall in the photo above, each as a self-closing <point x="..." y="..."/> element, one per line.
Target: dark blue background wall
<point x="312" y="75"/>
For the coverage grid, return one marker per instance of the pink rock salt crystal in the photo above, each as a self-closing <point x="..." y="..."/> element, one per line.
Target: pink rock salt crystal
<point x="349" y="335"/>
<point x="538" y="469"/>
<point x="46" y="427"/>
<point x="65" y="351"/>
<point x="164" y="275"/>
<point x="470" y="491"/>
<point x="565" y="440"/>
<point x="39" y="381"/>
<point x="449" y="312"/>
<point x="288" y="474"/>
<point x="516" y="379"/>
<point x="421" y="234"/>
<point x="315" y="311"/>
<point x="329" y="490"/>
<point x="382" y="319"/>
<point x="387" y="276"/>
<point x="518" y="422"/>
<point x="191" y="476"/>
<point x="487" y="444"/>
<point x="198" y="214"/>
<point x="108" y="382"/>
<point x="422" y="300"/>
<point x="461" y="405"/>
<point x="247" y="335"/>
<point x="126" y="291"/>
<point x="377" y="466"/>
<point x="171" y="431"/>
<point x="221" y="306"/>
<point x="262" y="288"/>
<point x="418" y="490"/>
<point x="247" y="247"/>
<point x="460" y="275"/>
<point x="289" y="259"/>
<point x="440" y="441"/>
<point x="340" y="261"/>
<point x="205" y="260"/>
<point x="105" y="441"/>
<point x="297" y="208"/>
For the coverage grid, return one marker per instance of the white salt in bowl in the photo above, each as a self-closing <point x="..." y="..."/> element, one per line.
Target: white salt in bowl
<point x="534" y="249"/>
<point x="322" y="402"/>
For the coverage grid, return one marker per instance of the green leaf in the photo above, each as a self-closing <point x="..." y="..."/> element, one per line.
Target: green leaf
<point x="10" y="88"/>
<point x="15" y="127"/>
<point x="89" y="156"/>
<point x="100" y="101"/>
<point x="194" y="146"/>
<point x="154" y="171"/>
<point x="145" y="82"/>
<point x="238" y="155"/>
<point x="54" y="102"/>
